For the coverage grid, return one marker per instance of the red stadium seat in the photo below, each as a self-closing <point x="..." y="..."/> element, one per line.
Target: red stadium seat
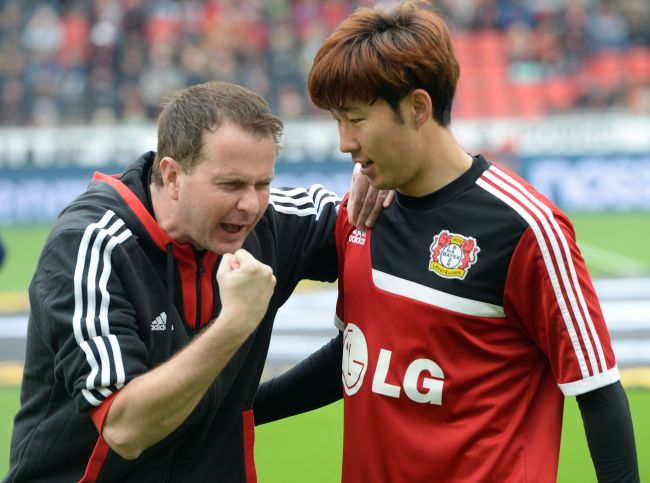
<point x="559" y="93"/>
<point x="527" y="100"/>
<point x="607" y="69"/>
<point x="637" y="64"/>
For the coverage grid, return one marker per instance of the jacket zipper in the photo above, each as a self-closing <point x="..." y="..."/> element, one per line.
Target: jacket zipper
<point x="200" y="271"/>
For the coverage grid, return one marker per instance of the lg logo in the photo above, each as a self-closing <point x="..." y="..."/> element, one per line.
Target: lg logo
<point x="355" y="364"/>
<point x="355" y="359"/>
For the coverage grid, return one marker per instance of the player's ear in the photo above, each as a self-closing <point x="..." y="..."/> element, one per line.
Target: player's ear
<point x="170" y="170"/>
<point x="421" y="106"/>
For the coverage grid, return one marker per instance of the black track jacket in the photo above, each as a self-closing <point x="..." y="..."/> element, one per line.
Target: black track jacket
<point x="112" y="297"/>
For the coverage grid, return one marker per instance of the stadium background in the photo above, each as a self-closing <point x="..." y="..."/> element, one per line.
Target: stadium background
<point x="557" y="89"/>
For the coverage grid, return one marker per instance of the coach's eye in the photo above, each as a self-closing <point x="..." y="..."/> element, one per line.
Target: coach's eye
<point x="231" y="185"/>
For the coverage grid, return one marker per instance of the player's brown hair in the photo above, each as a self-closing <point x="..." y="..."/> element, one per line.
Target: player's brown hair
<point x="377" y="53"/>
<point x="188" y="113"/>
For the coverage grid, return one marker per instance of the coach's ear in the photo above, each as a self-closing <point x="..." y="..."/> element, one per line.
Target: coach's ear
<point x="421" y="107"/>
<point x="170" y="170"/>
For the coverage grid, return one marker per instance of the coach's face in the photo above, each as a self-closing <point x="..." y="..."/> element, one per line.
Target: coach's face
<point x="221" y="199"/>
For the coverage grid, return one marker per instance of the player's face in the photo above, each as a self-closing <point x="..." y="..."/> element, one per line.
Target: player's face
<point x="221" y="200"/>
<point x="377" y="139"/>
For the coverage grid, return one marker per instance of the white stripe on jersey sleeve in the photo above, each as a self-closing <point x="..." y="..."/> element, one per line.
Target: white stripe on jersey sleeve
<point x="589" y="384"/>
<point x="302" y="202"/>
<point x="572" y="271"/>
<point x="430" y="296"/>
<point x="549" y="267"/>
<point x="99" y="253"/>
<point x="521" y="201"/>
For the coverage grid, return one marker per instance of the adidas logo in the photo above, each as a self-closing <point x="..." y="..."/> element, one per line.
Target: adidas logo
<point x="160" y="323"/>
<point x="358" y="237"/>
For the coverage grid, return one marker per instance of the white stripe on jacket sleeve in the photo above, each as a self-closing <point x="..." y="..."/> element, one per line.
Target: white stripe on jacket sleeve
<point x="303" y="202"/>
<point x="94" y="253"/>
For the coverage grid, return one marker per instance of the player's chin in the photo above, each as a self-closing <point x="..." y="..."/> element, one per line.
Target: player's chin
<point x="380" y="183"/>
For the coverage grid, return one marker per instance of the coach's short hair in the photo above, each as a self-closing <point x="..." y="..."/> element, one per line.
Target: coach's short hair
<point x="190" y="112"/>
<point x="377" y="53"/>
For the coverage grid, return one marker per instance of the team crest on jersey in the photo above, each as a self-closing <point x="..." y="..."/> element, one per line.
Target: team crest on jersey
<point x="452" y="255"/>
<point x="358" y="236"/>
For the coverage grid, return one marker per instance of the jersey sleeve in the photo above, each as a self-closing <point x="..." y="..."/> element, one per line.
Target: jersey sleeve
<point x="81" y="309"/>
<point x="550" y="294"/>
<point x="304" y="220"/>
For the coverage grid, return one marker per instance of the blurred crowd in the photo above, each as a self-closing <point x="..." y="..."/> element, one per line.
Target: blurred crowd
<point x="103" y="61"/>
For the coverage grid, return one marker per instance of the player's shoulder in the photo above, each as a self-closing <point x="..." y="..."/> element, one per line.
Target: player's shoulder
<point x="513" y="196"/>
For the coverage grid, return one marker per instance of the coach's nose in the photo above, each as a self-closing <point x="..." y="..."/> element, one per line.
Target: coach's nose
<point x="249" y="200"/>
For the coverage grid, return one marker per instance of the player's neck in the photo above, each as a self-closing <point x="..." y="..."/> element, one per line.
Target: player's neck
<point x="441" y="161"/>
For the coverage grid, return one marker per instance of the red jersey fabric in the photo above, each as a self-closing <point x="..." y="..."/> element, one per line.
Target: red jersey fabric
<point x="467" y="316"/>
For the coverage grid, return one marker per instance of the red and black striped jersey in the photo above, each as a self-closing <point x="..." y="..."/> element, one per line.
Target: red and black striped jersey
<point x="467" y="315"/>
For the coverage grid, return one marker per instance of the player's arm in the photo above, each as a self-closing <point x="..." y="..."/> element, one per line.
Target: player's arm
<point x="610" y="436"/>
<point x="313" y="383"/>
<point x="582" y="362"/>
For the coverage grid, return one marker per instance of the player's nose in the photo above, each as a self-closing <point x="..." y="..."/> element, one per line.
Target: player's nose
<point x="347" y="141"/>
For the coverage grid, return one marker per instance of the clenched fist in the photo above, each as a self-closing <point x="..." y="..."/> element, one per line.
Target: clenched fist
<point x="245" y="287"/>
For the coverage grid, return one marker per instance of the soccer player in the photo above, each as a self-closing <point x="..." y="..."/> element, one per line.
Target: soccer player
<point x="149" y="323"/>
<point x="466" y="314"/>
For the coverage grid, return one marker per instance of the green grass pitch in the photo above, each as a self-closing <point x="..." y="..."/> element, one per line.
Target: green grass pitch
<point x="308" y="447"/>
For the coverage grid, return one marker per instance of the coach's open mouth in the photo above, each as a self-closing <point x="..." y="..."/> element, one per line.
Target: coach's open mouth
<point x="230" y="228"/>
